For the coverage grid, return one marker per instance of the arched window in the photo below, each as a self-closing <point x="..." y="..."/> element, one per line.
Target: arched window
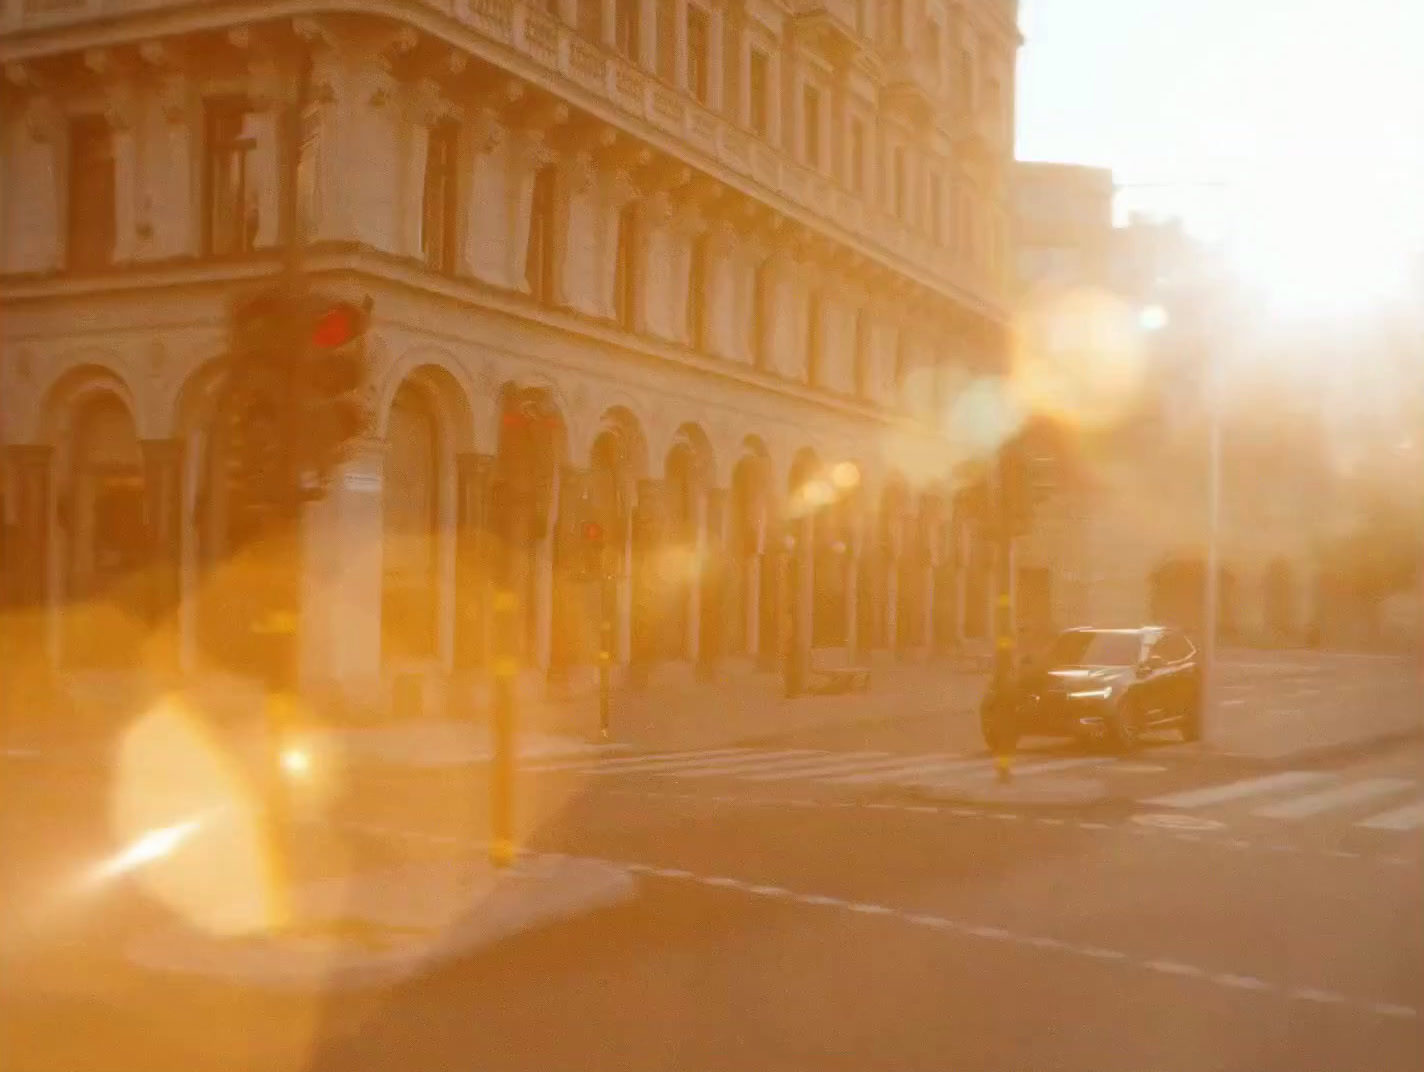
<point x="411" y="543"/>
<point x="102" y="512"/>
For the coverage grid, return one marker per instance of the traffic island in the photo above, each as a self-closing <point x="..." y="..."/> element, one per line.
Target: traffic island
<point x="375" y="929"/>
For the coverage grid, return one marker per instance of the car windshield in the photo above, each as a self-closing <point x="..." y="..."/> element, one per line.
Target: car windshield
<point x="1095" y="649"/>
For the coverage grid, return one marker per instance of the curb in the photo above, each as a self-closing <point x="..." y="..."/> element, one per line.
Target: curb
<point x="352" y="950"/>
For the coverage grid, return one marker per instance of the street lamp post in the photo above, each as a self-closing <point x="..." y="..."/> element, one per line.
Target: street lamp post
<point x="1153" y="319"/>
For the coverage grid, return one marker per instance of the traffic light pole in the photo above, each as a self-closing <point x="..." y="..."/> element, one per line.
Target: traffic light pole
<point x="606" y="598"/>
<point x="1004" y="641"/>
<point x="505" y="667"/>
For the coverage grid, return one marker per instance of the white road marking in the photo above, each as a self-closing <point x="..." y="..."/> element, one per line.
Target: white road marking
<point x="921" y="765"/>
<point x="742" y="764"/>
<point x="834" y="764"/>
<point x="1335" y="797"/>
<point x="1406" y="818"/>
<point x="632" y="763"/>
<point x="1169" y="821"/>
<point x="1247" y="787"/>
<point x="1172" y="967"/>
<point x="1229" y="980"/>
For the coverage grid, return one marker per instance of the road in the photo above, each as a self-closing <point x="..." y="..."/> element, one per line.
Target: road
<point x="798" y="909"/>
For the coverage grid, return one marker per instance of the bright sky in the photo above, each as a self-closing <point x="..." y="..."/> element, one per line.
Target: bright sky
<point x="1312" y="111"/>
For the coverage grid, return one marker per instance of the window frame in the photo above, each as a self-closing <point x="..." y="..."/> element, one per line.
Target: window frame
<point x="216" y="109"/>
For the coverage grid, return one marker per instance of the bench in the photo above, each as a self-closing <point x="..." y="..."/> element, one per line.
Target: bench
<point x="837" y="672"/>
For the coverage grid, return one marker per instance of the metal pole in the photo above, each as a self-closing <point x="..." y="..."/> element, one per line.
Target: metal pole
<point x="505" y="666"/>
<point x="1211" y="596"/>
<point x="606" y="597"/>
<point x="1004" y="638"/>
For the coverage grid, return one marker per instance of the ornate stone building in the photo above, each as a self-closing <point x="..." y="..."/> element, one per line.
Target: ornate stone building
<point x="740" y="256"/>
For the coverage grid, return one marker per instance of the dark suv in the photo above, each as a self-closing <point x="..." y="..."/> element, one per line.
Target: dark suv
<point x="1107" y="685"/>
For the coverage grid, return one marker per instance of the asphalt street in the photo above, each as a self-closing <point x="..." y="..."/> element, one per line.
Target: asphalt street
<point x="799" y="909"/>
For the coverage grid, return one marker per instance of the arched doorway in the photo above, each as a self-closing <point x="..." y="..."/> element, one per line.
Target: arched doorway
<point x="685" y="480"/>
<point x="616" y="462"/>
<point x="411" y="507"/>
<point x="101" y="512"/>
<point x="889" y="565"/>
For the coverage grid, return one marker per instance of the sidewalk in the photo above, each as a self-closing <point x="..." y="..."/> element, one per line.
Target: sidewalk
<point x="672" y="713"/>
<point x="375" y="927"/>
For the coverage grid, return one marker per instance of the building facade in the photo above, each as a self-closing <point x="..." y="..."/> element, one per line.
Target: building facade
<point x="1125" y="540"/>
<point x="737" y="257"/>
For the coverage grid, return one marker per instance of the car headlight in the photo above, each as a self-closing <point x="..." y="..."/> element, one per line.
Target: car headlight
<point x="1091" y="694"/>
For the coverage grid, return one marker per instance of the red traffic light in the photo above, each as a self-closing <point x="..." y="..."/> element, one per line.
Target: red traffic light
<point x="592" y="532"/>
<point x="337" y="326"/>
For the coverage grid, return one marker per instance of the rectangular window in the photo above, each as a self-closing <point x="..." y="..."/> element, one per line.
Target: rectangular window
<point x="625" y="28"/>
<point x="857" y="156"/>
<point x="539" y="259"/>
<point x="667" y="42"/>
<point x="91" y="194"/>
<point x="590" y="19"/>
<point x="438" y="207"/>
<point x="698" y="66"/>
<point x="230" y="201"/>
<point x="758" y="83"/>
<point x="811" y="125"/>
<point x="626" y="268"/>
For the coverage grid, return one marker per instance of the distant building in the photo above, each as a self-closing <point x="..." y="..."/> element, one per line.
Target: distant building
<point x="1121" y="538"/>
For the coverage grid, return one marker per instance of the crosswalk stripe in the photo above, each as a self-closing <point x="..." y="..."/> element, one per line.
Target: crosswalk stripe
<point x="919" y="766"/>
<point x="1405" y="818"/>
<point x="1247" y="787"/>
<point x="1336" y="797"/>
<point x="1030" y="769"/>
<point x="850" y="761"/>
<point x="635" y="762"/>
<point x="745" y="764"/>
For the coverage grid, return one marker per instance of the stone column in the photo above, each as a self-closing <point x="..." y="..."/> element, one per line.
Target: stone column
<point x="647" y="617"/>
<point x="27" y="657"/>
<point x="711" y="636"/>
<point x="648" y="34"/>
<point x="121" y="113"/>
<point x="27" y="551"/>
<point x="679" y="23"/>
<point x="473" y="476"/>
<point x="572" y="641"/>
<point x="803" y="591"/>
<point x="854" y="546"/>
<point x="163" y="515"/>
<point x="31" y="207"/>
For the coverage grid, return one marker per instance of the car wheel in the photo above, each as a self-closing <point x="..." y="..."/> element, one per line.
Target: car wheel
<point x="1191" y="725"/>
<point x="1125" y="725"/>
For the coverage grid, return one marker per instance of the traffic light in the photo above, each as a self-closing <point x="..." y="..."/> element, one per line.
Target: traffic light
<point x="331" y="375"/>
<point x="292" y="405"/>
<point x="591" y="542"/>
